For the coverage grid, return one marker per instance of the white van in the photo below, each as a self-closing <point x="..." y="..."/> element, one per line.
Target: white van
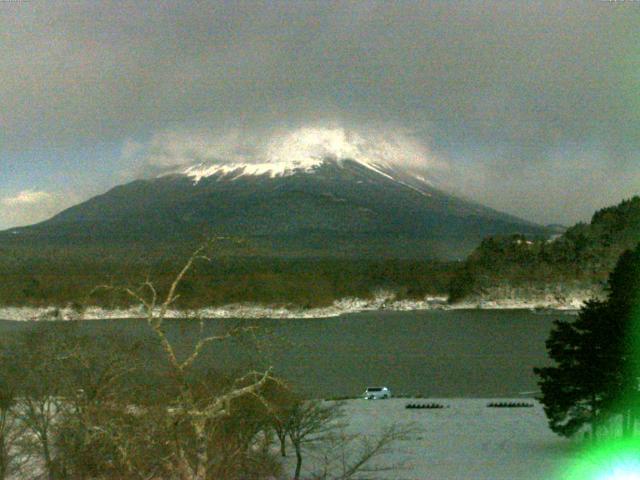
<point x="377" y="393"/>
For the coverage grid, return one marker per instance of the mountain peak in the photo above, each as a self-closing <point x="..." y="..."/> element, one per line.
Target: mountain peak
<point x="232" y="170"/>
<point x="306" y="149"/>
<point x="239" y="169"/>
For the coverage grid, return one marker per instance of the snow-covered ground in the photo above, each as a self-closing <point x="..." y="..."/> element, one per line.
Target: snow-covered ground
<point x="466" y="441"/>
<point x="558" y="297"/>
<point x="383" y="301"/>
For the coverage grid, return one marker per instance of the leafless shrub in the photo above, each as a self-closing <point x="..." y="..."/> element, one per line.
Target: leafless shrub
<point x="344" y="456"/>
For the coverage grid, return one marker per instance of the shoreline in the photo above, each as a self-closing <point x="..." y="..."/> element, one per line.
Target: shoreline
<point x="254" y="311"/>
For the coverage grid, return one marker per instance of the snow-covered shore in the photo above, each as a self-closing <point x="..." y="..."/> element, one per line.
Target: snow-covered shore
<point x="382" y="302"/>
<point x="535" y="296"/>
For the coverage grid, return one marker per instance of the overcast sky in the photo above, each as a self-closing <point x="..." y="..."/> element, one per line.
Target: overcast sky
<point x="529" y="107"/>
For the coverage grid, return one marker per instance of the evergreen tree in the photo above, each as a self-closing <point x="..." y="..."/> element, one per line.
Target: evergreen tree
<point x="596" y="369"/>
<point x="624" y="306"/>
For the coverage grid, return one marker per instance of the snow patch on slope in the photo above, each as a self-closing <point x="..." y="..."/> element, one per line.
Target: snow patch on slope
<point x="237" y="170"/>
<point x="305" y="149"/>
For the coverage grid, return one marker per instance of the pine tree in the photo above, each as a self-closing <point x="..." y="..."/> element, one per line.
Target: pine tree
<point x="596" y="371"/>
<point x="624" y="307"/>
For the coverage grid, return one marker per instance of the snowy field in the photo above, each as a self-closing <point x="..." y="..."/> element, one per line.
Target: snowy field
<point x="466" y="441"/>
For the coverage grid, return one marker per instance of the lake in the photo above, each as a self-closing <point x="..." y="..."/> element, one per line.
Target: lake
<point x="437" y="353"/>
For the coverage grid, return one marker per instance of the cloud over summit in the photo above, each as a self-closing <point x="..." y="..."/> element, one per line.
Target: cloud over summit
<point x="170" y="151"/>
<point x="526" y="75"/>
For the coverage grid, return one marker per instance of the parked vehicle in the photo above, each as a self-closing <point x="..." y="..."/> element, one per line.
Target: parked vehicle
<point x="377" y="393"/>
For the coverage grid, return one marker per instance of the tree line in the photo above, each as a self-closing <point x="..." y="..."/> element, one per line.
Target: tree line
<point x="57" y="279"/>
<point x="581" y="257"/>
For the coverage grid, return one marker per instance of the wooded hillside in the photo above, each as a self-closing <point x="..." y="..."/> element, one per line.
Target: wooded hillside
<point x="580" y="258"/>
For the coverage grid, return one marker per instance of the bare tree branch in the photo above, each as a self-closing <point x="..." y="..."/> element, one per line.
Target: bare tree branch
<point x="171" y="295"/>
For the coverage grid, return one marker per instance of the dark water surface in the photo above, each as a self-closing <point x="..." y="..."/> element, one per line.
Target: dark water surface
<point x="455" y="353"/>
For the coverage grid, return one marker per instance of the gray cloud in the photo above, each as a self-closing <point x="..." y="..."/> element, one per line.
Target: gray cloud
<point x="173" y="150"/>
<point x="31" y="206"/>
<point x="497" y="88"/>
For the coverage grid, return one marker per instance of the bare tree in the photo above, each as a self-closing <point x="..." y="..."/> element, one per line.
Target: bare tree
<point x="85" y="439"/>
<point x="347" y="456"/>
<point x="319" y="428"/>
<point x="197" y="412"/>
<point x="241" y="442"/>
<point x="280" y="409"/>
<point x="44" y="359"/>
<point x="309" y="422"/>
<point x="10" y="429"/>
<point x="38" y="413"/>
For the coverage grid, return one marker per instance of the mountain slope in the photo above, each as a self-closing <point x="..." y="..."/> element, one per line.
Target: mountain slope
<point x="321" y="207"/>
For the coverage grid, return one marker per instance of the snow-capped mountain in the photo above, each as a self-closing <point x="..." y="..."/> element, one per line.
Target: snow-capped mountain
<point x="234" y="170"/>
<point x="302" y="206"/>
<point x="230" y="171"/>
